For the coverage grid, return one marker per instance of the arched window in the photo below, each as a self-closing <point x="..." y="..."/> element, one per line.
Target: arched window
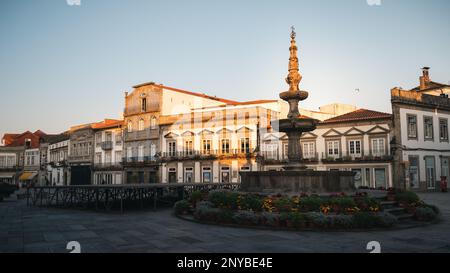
<point x="144" y="105"/>
<point x="141" y="125"/>
<point x="130" y="126"/>
<point x="153" y="123"/>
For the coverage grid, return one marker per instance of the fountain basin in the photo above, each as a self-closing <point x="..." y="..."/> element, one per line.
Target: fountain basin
<point x="297" y="125"/>
<point x="296" y="182"/>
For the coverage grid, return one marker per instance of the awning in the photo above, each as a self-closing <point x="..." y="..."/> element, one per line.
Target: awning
<point x="7" y="175"/>
<point x="27" y="176"/>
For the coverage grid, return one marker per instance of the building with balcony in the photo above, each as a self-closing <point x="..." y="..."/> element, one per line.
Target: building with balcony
<point x="213" y="144"/>
<point x="57" y="159"/>
<point x="108" y="152"/>
<point x="421" y="131"/>
<point x="81" y="154"/>
<point x="357" y="141"/>
<point x="12" y="157"/>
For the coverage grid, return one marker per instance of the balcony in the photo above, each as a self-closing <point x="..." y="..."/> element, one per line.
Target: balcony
<point x="141" y="135"/>
<point x="107" y="145"/>
<point x="348" y="158"/>
<point x="108" y="166"/>
<point x="268" y="160"/>
<point x="10" y="168"/>
<point x="139" y="161"/>
<point x="205" y="155"/>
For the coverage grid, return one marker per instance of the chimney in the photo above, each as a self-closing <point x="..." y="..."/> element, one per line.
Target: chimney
<point x="425" y="78"/>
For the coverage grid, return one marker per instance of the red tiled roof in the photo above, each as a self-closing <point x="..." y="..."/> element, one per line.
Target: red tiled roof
<point x="358" y="115"/>
<point x="107" y="123"/>
<point x="17" y="140"/>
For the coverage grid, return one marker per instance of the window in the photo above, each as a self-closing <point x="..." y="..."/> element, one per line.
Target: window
<point x="430" y="172"/>
<point x="414" y="172"/>
<point x="98" y="158"/>
<point x="428" y="127"/>
<point x="118" y="156"/>
<point x="153" y="123"/>
<point x="380" y="177"/>
<point x="309" y="150"/>
<point x="118" y="137"/>
<point x="129" y="152"/>
<point x="188" y="175"/>
<point x="130" y="126"/>
<point x="108" y="136"/>
<point x="141" y="125"/>
<point x="443" y="129"/>
<point x="245" y="145"/>
<point x="358" y="177"/>
<point x="378" y="147"/>
<point x="354" y="148"/>
<point x="271" y="151"/>
<point x="333" y="148"/>
<point x="412" y="126"/>
<point x="172" y="148"/>
<point x="108" y="157"/>
<point x="98" y="138"/>
<point x="206" y="146"/>
<point x="188" y="147"/>
<point x="225" y="146"/>
<point x="207" y="175"/>
<point x="152" y="151"/>
<point x="368" y="178"/>
<point x="144" y="105"/>
<point x="141" y="153"/>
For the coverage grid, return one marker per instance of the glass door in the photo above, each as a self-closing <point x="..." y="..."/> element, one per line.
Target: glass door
<point x="430" y="172"/>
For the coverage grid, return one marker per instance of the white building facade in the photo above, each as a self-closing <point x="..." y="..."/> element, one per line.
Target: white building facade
<point x="108" y="152"/>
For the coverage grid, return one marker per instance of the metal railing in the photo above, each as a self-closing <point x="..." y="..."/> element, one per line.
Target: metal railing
<point x="117" y="196"/>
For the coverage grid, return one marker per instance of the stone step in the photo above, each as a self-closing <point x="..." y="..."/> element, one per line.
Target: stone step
<point x="395" y="210"/>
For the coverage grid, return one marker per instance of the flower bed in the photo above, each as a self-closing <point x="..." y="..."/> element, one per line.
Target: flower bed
<point x="337" y="211"/>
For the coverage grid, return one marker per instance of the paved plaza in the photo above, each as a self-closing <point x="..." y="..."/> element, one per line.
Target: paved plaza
<point x="32" y="229"/>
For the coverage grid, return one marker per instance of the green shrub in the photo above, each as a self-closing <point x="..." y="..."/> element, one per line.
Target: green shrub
<point x="366" y="220"/>
<point x="408" y="197"/>
<point x="270" y="219"/>
<point x="182" y="206"/>
<point x="223" y="199"/>
<point x="343" y="202"/>
<point x="386" y="220"/>
<point x="364" y="203"/>
<point x="195" y="197"/>
<point x="342" y="221"/>
<point x="298" y="219"/>
<point x="206" y="213"/>
<point x="318" y="219"/>
<point x="283" y="204"/>
<point x="246" y="218"/>
<point x="205" y="204"/>
<point x="425" y="214"/>
<point x="311" y="203"/>
<point x="225" y="216"/>
<point x="250" y="202"/>
<point x="433" y="207"/>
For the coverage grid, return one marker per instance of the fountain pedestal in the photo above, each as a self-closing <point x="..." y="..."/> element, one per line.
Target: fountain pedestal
<point x="296" y="177"/>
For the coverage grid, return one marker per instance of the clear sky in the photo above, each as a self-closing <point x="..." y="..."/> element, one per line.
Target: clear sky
<point x="62" y="65"/>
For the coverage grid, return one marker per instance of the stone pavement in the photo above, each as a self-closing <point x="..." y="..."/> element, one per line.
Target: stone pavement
<point x="32" y="229"/>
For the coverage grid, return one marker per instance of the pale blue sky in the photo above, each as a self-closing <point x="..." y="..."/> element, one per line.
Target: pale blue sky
<point x="63" y="65"/>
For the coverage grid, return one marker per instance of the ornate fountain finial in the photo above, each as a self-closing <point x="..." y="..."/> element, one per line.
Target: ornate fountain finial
<point x="294" y="77"/>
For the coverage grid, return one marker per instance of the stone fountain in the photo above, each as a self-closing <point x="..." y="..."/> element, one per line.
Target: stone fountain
<point x="296" y="177"/>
